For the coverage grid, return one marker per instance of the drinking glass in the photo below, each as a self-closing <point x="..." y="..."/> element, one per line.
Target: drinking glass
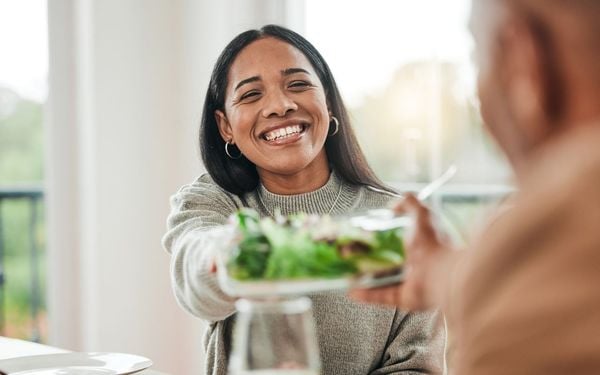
<point x="274" y="337"/>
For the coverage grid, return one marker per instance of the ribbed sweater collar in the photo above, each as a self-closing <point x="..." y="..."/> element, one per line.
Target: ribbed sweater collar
<point x="334" y="197"/>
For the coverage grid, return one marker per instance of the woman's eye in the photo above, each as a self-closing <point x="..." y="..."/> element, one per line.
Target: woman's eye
<point x="299" y="84"/>
<point x="249" y="95"/>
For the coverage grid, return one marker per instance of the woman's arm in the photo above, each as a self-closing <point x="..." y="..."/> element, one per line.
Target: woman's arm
<point x="193" y="240"/>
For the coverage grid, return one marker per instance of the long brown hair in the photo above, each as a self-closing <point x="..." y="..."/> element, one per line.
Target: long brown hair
<point x="239" y="176"/>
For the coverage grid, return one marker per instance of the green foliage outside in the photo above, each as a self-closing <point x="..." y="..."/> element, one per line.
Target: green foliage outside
<point x="21" y="166"/>
<point x="21" y="140"/>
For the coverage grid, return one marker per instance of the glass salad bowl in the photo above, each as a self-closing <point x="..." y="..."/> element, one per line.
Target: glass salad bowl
<point x="304" y="254"/>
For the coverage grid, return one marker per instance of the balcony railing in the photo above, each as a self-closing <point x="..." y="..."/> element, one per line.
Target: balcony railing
<point x="31" y="198"/>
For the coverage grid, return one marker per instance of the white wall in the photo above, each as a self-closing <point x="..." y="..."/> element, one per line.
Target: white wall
<point x="127" y="79"/>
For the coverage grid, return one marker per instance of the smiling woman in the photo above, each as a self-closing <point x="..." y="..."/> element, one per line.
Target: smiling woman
<point x="275" y="135"/>
<point x="312" y="81"/>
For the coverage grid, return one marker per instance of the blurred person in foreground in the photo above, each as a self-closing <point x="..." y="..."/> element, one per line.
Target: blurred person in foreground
<point x="524" y="298"/>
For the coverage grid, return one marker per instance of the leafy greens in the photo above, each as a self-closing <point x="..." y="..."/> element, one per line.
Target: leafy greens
<point x="308" y="246"/>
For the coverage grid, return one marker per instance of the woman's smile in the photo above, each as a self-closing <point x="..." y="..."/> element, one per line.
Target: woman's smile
<point x="284" y="134"/>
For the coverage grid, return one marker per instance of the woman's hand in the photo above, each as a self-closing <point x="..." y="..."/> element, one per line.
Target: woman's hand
<point x="428" y="266"/>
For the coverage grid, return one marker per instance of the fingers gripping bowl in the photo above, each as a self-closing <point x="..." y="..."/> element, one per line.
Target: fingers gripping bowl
<point x="303" y="254"/>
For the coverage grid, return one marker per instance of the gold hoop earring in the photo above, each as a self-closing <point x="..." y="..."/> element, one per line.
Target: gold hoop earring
<point x="227" y="144"/>
<point x="337" y="125"/>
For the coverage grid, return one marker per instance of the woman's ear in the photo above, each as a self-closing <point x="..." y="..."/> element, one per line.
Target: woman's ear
<point x="329" y="112"/>
<point x="224" y="126"/>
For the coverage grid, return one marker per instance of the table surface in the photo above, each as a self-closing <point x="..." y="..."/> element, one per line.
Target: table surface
<point x="12" y="348"/>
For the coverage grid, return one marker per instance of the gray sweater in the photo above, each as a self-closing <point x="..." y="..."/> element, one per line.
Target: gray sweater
<point x="354" y="339"/>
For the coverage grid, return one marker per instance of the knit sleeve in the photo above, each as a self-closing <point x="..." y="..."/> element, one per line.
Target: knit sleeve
<point x="416" y="345"/>
<point x="193" y="240"/>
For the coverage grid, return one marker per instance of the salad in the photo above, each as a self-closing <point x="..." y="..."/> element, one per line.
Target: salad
<point x="308" y="246"/>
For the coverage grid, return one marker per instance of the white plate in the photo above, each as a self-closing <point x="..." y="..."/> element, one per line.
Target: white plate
<point x="75" y="364"/>
<point x="372" y="220"/>
<point x="301" y="287"/>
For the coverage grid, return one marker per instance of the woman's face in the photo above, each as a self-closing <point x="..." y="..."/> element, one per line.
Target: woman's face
<point x="275" y="109"/>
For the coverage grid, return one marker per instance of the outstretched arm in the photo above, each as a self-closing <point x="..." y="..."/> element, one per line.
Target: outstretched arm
<point x="193" y="239"/>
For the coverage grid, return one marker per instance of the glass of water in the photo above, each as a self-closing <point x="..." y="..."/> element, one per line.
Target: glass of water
<point x="274" y="337"/>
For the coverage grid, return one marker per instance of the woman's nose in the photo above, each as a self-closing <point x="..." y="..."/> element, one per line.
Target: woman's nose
<point x="278" y="103"/>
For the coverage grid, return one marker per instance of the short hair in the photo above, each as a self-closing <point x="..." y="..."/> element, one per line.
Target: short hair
<point x="239" y="176"/>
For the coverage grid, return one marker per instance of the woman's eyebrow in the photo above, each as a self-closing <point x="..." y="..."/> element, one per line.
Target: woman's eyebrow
<point x="285" y="72"/>
<point x="290" y="71"/>
<point x="245" y="81"/>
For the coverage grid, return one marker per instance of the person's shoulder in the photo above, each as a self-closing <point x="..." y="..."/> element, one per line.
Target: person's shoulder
<point x="205" y="184"/>
<point x="382" y="192"/>
<point x="204" y="191"/>
<point x="376" y="197"/>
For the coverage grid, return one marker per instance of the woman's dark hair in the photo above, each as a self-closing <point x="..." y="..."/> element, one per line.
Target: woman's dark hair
<point x="239" y="176"/>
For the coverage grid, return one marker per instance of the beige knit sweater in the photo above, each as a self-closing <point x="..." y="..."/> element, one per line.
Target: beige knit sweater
<point x="354" y="339"/>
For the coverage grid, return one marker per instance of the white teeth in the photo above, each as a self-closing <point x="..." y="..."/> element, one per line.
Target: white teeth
<point x="283" y="132"/>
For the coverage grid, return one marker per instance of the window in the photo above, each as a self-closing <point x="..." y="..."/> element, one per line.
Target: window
<point x="23" y="69"/>
<point x="405" y="72"/>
